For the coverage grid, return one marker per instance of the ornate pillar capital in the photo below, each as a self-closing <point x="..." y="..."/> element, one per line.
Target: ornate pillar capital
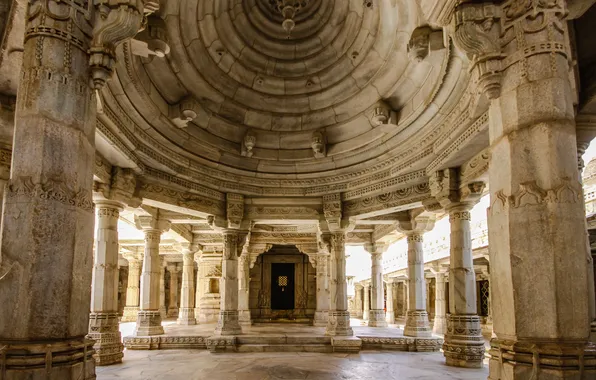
<point x="415" y="222"/>
<point x="234" y="210"/>
<point x="152" y="224"/>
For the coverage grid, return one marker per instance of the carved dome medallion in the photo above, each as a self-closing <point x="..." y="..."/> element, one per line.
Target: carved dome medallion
<point x="236" y="99"/>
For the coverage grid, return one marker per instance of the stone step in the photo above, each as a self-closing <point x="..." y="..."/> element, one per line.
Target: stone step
<point x="319" y="348"/>
<point x="283" y="339"/>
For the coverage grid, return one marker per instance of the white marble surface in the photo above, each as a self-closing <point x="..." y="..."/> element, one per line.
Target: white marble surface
<point x="199" y="364"/>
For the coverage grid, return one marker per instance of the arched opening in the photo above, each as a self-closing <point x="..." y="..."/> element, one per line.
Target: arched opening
<point x="282" y="286"/>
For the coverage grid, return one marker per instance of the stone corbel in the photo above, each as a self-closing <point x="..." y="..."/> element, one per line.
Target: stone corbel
<point x="319" y="144"/>
<point x="122" y="189"/>
<point x="144" y="222"/>
<point x="248" y="143"/>
<point x="332" y="210"/>
<point x="152" y="40"/>
<point x="477" y="33"/>
<point x="382" y="114"/>
<point x="447" y="189"/>
<point x="184" y="112"/>
<point x="415" y="221"/>
<point x="116" y="21"/>
<point x="422" y="41"/>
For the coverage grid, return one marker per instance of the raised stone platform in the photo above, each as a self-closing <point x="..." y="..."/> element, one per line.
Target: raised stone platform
<point x="271" y="337"/>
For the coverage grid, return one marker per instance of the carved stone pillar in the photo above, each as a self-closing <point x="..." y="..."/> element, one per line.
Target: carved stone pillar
<point x="208" y="295"/>
<point x="339" y="318"/>
<point x="538" y="249"/>
<point x="186" y="316"/>
<point x="322" y="311"/>
<point x="135" y="264"/>
<point x="243" y="289"/>
<point x="149" y="316"/>
<point x="358" y="300"/>
<point x="440" y="323"/>
<point x="376" y="317"/>
<point x="47" y="248"/>
<point x="366" y="312"/>
<point x="173" y="305"/>
<point x="163" y="310"/>
<point x="227" y="323"/>
<point x="390" y="317"/>
<point x="414" y="223"/>
<point x="104" y="318"/>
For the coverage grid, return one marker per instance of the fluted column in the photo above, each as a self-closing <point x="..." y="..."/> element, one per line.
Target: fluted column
<point x="173" y="305"/>
<point x="376" y="316"/>
<point x="390" y="317"/>
<point x="322" y="310"/>
<point x="104" y="318"/>
<point x="339" y="318"/>
<point x="440" y="322"/>
<point x="149" y="316"/>
<point x="366" y="311"/>
<point x="186" y="316"/>
<point x="243" y="289"/>
<point x="228" y="323"/>
<point x="135" y="265"/>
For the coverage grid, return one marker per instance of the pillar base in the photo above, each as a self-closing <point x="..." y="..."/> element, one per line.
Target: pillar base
<point x="61" y="360"/>
<point x="338" y="324"/>
<point x="228" y="323"/>
<point x="377" y="318"/>
<point x="173" y="312"/>
<point x="103" y="329"/>
<point x="464" y="343"/>
<point x="163" y="312"/>
<point x="130" y="314"/>
<point x="440" y="325"/>
<point x="390" y="317"/>
<point x="244" y="318"/>
<point x="186" y="317"/>
<point x="541" y="360"/>
<point x="321" y="318"/>
<point x="148" y="323"/>
<point x="417" y="324"/>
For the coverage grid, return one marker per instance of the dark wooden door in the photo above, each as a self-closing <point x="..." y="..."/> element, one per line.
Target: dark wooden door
<point x="282" y="286"/>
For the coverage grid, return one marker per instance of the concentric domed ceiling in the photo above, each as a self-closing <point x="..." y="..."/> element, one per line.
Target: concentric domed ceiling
<point x="237" y="94"/>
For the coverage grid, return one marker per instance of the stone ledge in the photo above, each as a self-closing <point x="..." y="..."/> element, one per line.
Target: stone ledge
<point x="410" y="344"/>
<point x="349" y="344"/>
<point x="165" y="342"/>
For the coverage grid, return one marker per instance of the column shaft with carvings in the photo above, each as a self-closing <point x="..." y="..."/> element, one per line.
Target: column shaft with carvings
<point x="538" y="249"/>
<point x="47" y="254"/>
<point x="376" y="316"/>
<point x="464" y="343"/>
<point x="339" y="318"/>
<point x="417" y="323"/>
<point x="186" y="314"/>
<point x="440" y="322"/>
<point x="366" y="312"/>
<point x="173" y="305"/>
<point x="390" y="317"/>
<point x="358" y="300"/>
<point x="243" y="289"/>
<point x="104" y="318"/>
<point x="228" y="323"/>
<point x="323" y="295"/>
<point x="135" y="265"/>
<point x="149" y="316"/>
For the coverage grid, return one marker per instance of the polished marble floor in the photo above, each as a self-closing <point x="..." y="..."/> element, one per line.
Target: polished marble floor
<point x="202" y="365"/>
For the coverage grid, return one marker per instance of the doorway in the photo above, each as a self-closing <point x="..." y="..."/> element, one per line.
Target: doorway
<point x="282" y="286"/>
